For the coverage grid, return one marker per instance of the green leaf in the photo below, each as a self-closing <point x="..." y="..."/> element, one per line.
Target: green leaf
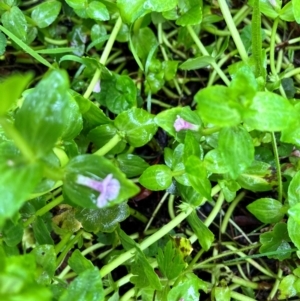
<point x="118" y="93"/>
<point x="103" y="219"/>
<point x="289" y="287"/>
<point x="260" y="176"/>
<point x="204" y="235"/>
<point x="222" y="294"/>
<point x="18" y="280"/>
<point x="41" y="119"/>
<point x="77" y="4"/>
<point x="170" y="262"/>
<point x="216" y="106"/>
<point x="187" y="289"/>
<point x="131" y="165"/>
<point x="178" y="168"/>
<point x="45" y="13"/>
<point x="229" y="189"/>
<point x="287" y="13"/>
<point x="214" y="162"/>
<point x="156" y="177"/>
<point x="276" y="240"/>
<point x="296" y="10"/>
<point x="14" y="21"/>
<point x="97" y="168"/>
<point x="160" y="6"/>
<point x="294" y="191"/>
<point x="137" y="126"/>
<point x="190" y="195"/>
<point x="143" y="273"/>
<point x="11" y="89"/>
<point x="130" y="11"/>
<point x="293" y="228"/>
<point x="41" y="232"/>
<point x="3" y="43"/>
<point x="192" y="17"/>
<point x="17" y="181"/>
<point x="270" y="112"/>
<point x="267" y="210"/>
<point x="236" y="148"/>
<point x="45" y="258"/>
<point x="86" y="287"/>
<point x="79" y="263"/>
<point x="197" y="176"/>
<point x="12" y="233"/>
<point x="197" y="63"/>
<point x="97" y="11"/>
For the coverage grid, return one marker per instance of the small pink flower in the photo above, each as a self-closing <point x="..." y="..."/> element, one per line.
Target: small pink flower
<point x="97" y="87"/>
<point x="109" y="188"/>
<point x="181" y="124"/>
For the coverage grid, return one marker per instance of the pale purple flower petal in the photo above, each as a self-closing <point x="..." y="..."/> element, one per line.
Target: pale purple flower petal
<point x="109" y="188"/>
<point x="181" y="124"/>
<point x="97" y="87"/>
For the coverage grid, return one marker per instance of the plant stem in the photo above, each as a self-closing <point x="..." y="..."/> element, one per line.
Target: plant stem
<point x="240" y="297"/>
<point x="43" y="210"/>
<point x="229" y="211"/>
<point x="278" y="167"/>
<point x="272" y="46"/>
<point x="139" y="216"/>
<point x="104" y="57"/>
<point x="56" y="42"/>
<point x="108" y="146"/>
<point x="204" y="52"/>
<point x="151" y="239"/>
<point x="232" y="28"/>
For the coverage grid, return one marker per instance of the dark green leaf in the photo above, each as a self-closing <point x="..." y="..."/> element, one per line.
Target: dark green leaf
<point x="45" y="258"/>
<point x="170" y="262"/>
<point x="236" y="148"/>
<point x="293" y="229"/>
<point x="214" y="162"/>
<point x="41" y="232"/>
<point x="293" y="190"/>
<point x="137" y="126"/>
<point x="130" y="11"/>
<point x="131" y="165"/>
<point x="45" y="13"/>
<point x="86" y="287"/>
<point x="3" y="43"/>
<point x="229" y="189"/>
<point x="156" y="177"/>
<point x="267" y="210"/>
<point x="190" y="195"/>
<point x="204" y="235"/>
<point x="143" y="273"/>
<point x="276" y="240"/>
<point x="79" y="263"/>
<point x="103" y="219"/>
<point x="12" y="233"/>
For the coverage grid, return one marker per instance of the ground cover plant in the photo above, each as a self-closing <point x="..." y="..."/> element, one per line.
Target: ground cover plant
<point x="149" y="150"/>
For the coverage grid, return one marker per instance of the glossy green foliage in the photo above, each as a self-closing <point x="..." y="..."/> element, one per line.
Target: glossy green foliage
<point x="79" y="263"/>
<point x="118" y="93"/>
<point x="136" y="125"/>
<point x="45" y="13"/>
<point x="3" y="43"/>
<point x="296" y="10"/>
<point x="293" y="190"/>
<point x="41" y="119"/>
<point x="131" y="165"/>
<point x="156" y="177"/>
<point x="290" y="285"/>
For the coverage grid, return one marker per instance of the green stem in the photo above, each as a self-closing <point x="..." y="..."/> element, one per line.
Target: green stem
<point x="68" y="247"/>
<point x="109" y="145"/>
<point x="104" y="57"/>
<point x="204" y="52"/>
<point x="63" y="242"/>
<point x="43" y="210"/>
<point x="210" y="131"/>
<point x="229" y="211"/>
<point x="278" y="167"/>
<point x="56" y="42"/>
<point x="22" y="145"/>
<point x="240" y="297"/>
<point x="244" y="282"/>
<point x="272" y="46"/>
<point x="232" y="28"/>
<point x="139" y="216"/>
<point x="291" y="73"/>
<point x="275" y="285"/>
